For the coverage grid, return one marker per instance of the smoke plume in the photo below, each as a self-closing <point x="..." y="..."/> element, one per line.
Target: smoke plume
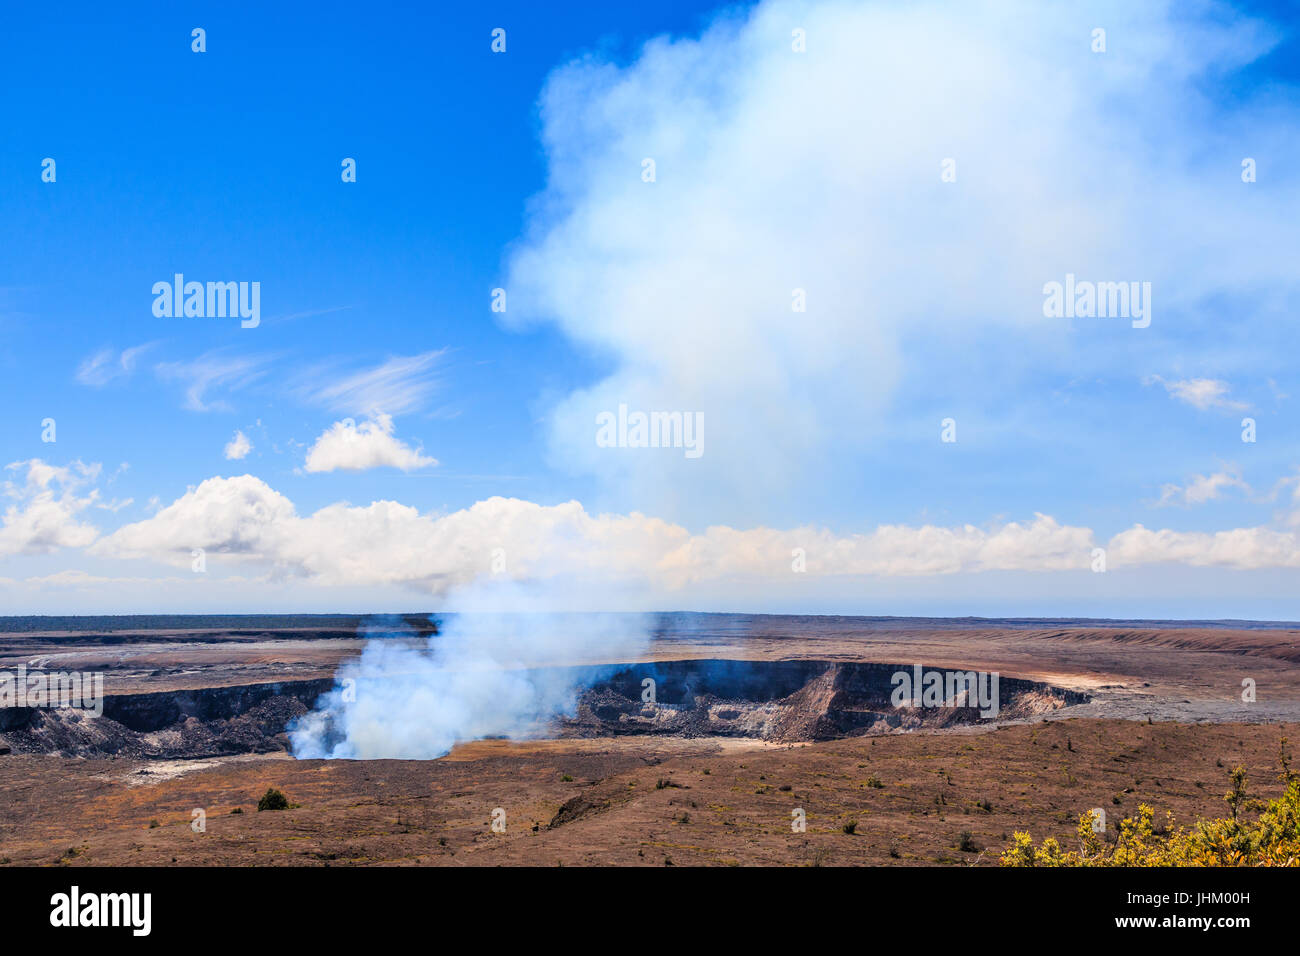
<point x="484" y="675"/>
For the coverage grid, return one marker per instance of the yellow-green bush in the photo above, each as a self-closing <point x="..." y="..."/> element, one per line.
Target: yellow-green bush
<point x="1272" y="839"/>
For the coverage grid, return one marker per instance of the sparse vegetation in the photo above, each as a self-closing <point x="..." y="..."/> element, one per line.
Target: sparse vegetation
<point x="1272" y="839"/>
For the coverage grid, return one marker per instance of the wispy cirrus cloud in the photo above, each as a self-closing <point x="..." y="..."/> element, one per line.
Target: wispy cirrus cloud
<point x="402" y="383"/>
<point x="212" y="371"/>
<point x="307" y="314"/>
<point x="109" y="364"/>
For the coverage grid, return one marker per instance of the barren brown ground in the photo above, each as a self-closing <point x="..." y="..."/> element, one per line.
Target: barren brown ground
<point x="716" y="804"/>
<point x="646" y="801"/>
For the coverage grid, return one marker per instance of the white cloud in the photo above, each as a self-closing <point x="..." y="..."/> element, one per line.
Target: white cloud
<point x="238" y="447"/>
<point x="1240" y="548"/>
<point x="1202" y="393"/>
<point x="400" y="384"/>
<point x="386" y="543"/>
<point x="44" y="507"/>
<point x="82" y="579"/>
<point x="346" y="446"/>
<point x="228" y="515"/>
<point x="1203" y="488"/>
<point x="108" y="364"/>
<point x="212" y="370"/>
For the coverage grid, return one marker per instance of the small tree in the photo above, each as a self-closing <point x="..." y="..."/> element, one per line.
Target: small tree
<point x="273" y="799"/>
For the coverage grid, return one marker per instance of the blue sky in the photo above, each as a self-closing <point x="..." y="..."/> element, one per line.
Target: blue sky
<point x="522" y="170"/>
<point x="226" y="164"/>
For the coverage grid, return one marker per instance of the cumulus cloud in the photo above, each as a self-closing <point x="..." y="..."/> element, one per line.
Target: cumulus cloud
<point x="1202" y="393"/>
<point x="1240" y="548"/>
<point x="44" y="505"/>
<point x="778" y="171"/>
<point x="386" y="543"/>
<point x="346" y="446"/>
<point x="238" y="516"/>
<point x="238" y="447"/>
<point x="1202" y="488"/>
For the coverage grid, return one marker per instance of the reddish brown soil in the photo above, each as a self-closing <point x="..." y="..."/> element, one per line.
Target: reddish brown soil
<point x="1036" y="776"/>
<point x="720" y="802"/>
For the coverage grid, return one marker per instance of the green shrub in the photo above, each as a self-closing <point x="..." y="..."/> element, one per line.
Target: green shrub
<point x="1272" y="839"/>
<point x="273" y="799"/>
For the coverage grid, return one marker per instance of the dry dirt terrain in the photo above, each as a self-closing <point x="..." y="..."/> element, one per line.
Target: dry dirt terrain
<point x="912" y="796"/>
<point x="1124" y="714"/>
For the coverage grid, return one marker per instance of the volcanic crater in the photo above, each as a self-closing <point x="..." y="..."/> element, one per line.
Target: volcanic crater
<point x="781" y="701"/>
